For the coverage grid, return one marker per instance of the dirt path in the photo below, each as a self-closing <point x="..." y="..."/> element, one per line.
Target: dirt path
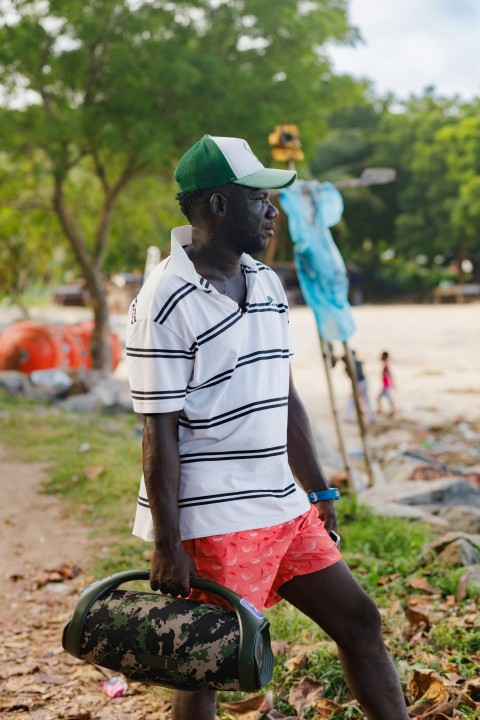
<point x="35" y="532"/>
<point x="46" y="558"/>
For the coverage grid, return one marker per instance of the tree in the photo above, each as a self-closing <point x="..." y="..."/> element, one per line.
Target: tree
<point x="407" y="136"/>
<point x="26" y="238"/>
<point x="122" y="87"/>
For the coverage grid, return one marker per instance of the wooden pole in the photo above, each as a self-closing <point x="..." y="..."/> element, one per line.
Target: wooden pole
<point x="341" y="442"/>
<point x="352" y="372"/>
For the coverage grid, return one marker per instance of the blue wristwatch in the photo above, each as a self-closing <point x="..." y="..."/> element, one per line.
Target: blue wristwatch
<point x="319" y="495"/>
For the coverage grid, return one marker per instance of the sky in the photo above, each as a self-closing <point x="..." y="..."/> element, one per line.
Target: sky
<point x="411" y="44"/>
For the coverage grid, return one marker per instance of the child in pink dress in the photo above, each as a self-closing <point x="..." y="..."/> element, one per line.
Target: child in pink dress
<point x="387" y="385"/>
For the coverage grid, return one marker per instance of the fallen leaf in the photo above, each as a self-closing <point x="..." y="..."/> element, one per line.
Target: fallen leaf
<point x="440" y="708"/>
<point x="296" y="662"/>
<point x="416" y="618"/>
<point x="279" y="647"/>
<point x="243" y="706"/>
<point x="473" y="688"/>
<point x="416" y="639"/>
<point x="304" y="694"/>
<point x="455" y="678"/>
<point x="427" y="685"/>
<point x="326" y="708"/>
<point x="20" y="669"/>
<point x="53" y="679"/>
<point x="421" y="583"/>
<point x="462" y="586"/>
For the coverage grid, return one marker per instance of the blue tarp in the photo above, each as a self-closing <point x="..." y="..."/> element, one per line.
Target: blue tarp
<point x="312" y="208"/>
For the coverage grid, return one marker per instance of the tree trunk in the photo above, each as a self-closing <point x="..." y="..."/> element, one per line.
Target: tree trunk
<point x="100" y="340"/>
<point x="100" y="344"/>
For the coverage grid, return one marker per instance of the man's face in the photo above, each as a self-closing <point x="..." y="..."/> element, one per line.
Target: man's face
<point x="250" y="218"/>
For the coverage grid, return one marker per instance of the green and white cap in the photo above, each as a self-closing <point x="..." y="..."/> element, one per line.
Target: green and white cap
<point x="216" y="161"/>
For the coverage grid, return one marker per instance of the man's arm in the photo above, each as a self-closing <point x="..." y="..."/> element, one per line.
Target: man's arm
<point x="302" y="455"/>
<point x="171" y="567"/>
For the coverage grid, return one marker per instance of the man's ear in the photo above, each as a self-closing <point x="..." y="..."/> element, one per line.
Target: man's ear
<point x="218" y="204"/>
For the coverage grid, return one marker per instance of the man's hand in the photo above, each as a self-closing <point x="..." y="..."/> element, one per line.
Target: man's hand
<point x="326" y="512"/>
<point x="170" y="572"/>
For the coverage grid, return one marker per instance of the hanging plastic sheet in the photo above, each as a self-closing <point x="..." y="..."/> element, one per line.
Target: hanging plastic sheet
<point x="312" y="208"/>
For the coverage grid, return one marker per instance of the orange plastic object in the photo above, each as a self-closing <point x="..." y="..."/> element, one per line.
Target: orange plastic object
<point x="29" y="346"/>
<point x="84" y="331"/>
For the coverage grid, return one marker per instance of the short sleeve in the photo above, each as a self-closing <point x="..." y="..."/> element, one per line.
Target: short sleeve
<point x="159" y="366"/>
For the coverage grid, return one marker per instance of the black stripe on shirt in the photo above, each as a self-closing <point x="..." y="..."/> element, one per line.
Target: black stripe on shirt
<point x="267" y="307"/>
<point x="220" y="327"/>
<point x="233" y="414"/>
<point x="214" y="380"/>
<point x="233" y="497"/>
<point x="228" y="497"/>
<point x="159" y="353"/>
<point x="234" y="454"/>
<point x="261" y="266"/>
<point x="173" y="301"/>
<point x="157" y="394"/>
<point x="274" y="354"/>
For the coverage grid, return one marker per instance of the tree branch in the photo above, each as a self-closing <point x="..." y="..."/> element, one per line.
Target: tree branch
<point x="101" y="173"/>
<point x="101" y="233"/>
<point x="73" y="233"/>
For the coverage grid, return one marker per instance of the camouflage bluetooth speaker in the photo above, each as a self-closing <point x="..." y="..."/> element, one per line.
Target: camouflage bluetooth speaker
<point x="169" y="641"/>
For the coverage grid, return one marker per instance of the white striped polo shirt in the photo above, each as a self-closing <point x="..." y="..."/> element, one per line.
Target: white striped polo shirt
<point x="226" y="369"/>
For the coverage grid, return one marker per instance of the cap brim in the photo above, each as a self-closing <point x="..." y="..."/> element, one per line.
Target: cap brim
<point x="268" y="178"/>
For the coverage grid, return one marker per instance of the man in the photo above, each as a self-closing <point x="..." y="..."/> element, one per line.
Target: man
<point x="208" y="351"/>
<point x="362" y="386"/>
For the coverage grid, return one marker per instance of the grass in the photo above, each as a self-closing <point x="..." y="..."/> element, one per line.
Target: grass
<point x="95" y="467"/>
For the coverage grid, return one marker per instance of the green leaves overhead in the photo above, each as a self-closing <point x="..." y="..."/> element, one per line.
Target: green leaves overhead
<point x="141" y="80"/>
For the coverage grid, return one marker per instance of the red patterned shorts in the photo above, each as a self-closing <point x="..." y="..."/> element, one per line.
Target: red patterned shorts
<point x="255" y="563"/>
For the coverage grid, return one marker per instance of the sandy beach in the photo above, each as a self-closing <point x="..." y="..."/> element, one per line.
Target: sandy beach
<point x="435" y="360"/>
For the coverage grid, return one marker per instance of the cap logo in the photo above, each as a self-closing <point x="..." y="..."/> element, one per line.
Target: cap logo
<point x="248" y="148"/>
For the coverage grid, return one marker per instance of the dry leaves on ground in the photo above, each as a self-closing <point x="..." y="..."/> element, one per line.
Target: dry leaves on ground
<point x="39" y="681"/>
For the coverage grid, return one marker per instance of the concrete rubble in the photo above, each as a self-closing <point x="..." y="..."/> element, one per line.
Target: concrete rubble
<point x="73" y="390"/>
<point x="416" y="485"/>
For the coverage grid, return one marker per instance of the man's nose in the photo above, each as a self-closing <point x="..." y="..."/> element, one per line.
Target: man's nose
<point x="272" y="211"/>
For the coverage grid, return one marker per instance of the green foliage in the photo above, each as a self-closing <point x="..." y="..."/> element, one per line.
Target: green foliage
<point x="432" y="208"/>
<point x="117" y="90"/>
<point x="120" y="89"/>
<point x="145" y="215"/>
<point x="123" y="88"/>
<point x="32" y="248"/>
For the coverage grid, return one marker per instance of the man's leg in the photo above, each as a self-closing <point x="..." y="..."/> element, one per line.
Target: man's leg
<point x="339" y="605"/>
<point x="194" y="705"/>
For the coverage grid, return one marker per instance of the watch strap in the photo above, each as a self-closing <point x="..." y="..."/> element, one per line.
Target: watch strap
<point x="319" y="495"/>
